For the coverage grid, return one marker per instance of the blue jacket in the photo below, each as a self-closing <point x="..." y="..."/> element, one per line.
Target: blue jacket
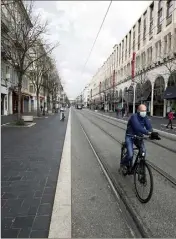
<point x="138" y="125"/>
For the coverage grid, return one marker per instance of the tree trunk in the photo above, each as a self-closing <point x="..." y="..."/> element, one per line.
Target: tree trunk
<point x="44" y="101"/>
<point x="19" y="95"/>
<point x="38" y="107"/>
<point x="48" y="103"/>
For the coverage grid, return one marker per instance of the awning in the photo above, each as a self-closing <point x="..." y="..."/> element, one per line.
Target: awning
<point x="170" y="92"/>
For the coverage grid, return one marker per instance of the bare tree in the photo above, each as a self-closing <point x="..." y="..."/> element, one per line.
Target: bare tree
<point x="36" y="74"/>
<point x="168" y="59"/>
<point x="25" y="31"/>
<point x="54" y="85"/>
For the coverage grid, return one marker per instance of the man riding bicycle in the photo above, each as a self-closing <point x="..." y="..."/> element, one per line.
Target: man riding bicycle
<point x="138" y="125"/>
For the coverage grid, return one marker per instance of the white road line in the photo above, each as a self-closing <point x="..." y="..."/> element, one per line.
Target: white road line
<point x="60" y="226"/>
<point x="5" y="124"/>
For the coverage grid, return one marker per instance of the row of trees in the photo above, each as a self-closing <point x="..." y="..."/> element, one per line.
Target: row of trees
<point x="26" y="50"/>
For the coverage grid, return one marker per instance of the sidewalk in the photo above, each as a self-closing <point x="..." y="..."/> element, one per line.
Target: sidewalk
<point x="9" y="118"/>
<point x="30" y="164"/>
<point x="157" y="123"/>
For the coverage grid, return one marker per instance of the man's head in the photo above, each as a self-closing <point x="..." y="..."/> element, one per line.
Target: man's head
<point x="142" y="110"/>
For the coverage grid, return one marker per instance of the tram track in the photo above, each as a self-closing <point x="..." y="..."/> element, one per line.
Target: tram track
<point x="152" y="165"/>
<point x="135" y="223"/>
<point x="153" y="142"/>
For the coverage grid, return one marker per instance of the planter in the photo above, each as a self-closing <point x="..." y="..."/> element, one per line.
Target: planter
<point x="28" y="118"/>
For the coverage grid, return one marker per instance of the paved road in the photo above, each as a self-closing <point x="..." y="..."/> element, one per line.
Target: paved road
<point x="30" y="164"/>
<point x="95" y="212"/>
<point x="159" y="215"/>
<point x="157" y="123"/>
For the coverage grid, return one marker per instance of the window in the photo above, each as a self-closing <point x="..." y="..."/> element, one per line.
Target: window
<point x="122" y="50"/>
<point x="149" y="53"/>
<point x="143" y="59"/>
<point x="160" y="15"/>
<point x="169" y="8"/>
<point x="119" y="53"/>
<point x="144" y="27"/>
<point x="5" y="99"/>
<point x="133" y="38"/>
<point x="151" y="19"/>
<point x="139" y="32"/>
<point x="125" y="47"/>
<point x="156" y="50"/>
<point x="130" y="43"/>
<point x="169" y="42"/>
<point x="139" y="26"/>
<point x="159" y="48"/>
<point x="165" y="44"/>
<point x="137" y="62"/>
<point x="138" y="42"/>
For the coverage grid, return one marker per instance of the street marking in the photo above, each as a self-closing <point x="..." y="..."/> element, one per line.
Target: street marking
<point x="30" y="125"/>
<point x="18" y="126"/>
<point x="60" y="226"/>
<point x="5" y="124"/>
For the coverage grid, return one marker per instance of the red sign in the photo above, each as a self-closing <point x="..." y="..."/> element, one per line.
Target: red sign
<point x="133" y="66"/>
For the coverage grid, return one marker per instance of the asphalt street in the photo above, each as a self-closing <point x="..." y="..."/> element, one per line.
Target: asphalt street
<point x="159" y="215"/>
<point x="30" y="163"/>
<point x="95" y="211"/>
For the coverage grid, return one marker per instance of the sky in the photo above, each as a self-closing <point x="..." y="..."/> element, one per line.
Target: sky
<point x="75" y="25"/>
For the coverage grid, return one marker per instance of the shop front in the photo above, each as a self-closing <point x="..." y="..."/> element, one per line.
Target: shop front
<point x="4" y="100"/>
<point x="170" y="96"/>
<point x="24" y="102"/>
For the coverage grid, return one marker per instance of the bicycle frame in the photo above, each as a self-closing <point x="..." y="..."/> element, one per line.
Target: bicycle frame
<point x="138" y="159"/>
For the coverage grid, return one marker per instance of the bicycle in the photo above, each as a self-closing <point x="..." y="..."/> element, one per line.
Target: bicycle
<point x="139" y="167"/>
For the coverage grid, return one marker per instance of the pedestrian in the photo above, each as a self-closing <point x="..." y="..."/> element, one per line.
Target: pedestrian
<point x="123" y="112"/>
<point x="117" y="112"/>
<point x="171" y="117"/>
<point x="41" y="107"/>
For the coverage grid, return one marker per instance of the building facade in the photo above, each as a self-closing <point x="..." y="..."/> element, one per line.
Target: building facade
<point x="9" y="76"/>
<point x="142" y="67"/>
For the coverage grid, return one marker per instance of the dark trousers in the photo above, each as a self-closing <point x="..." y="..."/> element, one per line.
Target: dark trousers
<point x="170" y="123"/>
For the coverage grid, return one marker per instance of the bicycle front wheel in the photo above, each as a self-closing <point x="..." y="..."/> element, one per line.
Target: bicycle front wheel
<point x="143" y="178"/>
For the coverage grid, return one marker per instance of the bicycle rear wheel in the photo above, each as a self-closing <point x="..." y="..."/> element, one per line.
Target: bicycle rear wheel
<point x="140" y="176"/>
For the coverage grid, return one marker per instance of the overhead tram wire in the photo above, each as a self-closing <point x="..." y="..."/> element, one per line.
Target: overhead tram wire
<point x="97" y="36"/>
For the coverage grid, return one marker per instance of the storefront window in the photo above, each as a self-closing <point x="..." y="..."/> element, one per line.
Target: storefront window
<point x="5" y="99"/>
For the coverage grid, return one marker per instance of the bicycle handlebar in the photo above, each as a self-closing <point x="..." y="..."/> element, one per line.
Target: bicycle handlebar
<point x="145" y="136"/>
<point x="139" y="137"/>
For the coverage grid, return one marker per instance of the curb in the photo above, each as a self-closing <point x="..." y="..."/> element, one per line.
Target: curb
<point x="60" y="225"/>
